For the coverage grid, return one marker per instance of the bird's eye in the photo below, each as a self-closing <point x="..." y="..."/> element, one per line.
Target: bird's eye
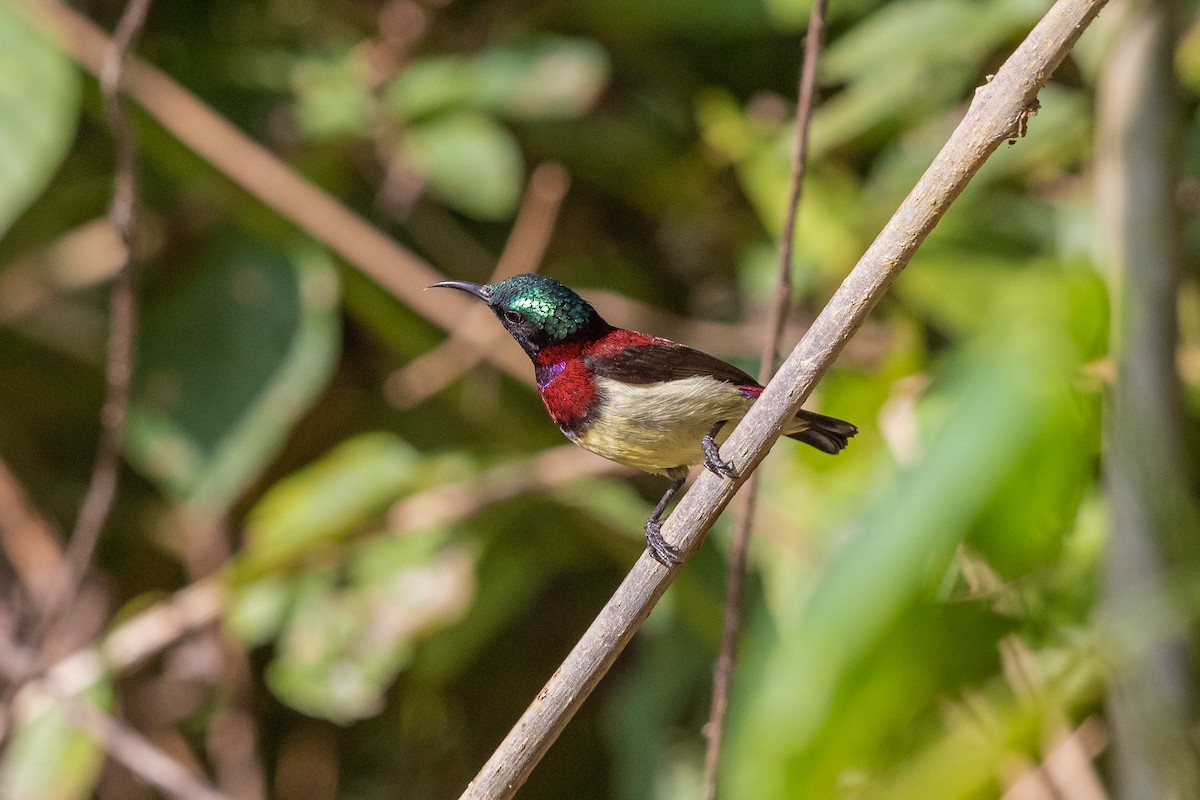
<point x="511" y="317"/>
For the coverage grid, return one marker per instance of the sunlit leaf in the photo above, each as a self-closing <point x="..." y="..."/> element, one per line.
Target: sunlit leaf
<point x="257" y="609"/>
<point x="324" y="501"/>
<point x="333" y="95"/>
<point x="546" y="78"/>
<point x="470" y="161"/>
<point x="348" y="636"/>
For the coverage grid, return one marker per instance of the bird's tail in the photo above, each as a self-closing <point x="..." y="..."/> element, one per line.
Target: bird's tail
<point x="827" y="434"/>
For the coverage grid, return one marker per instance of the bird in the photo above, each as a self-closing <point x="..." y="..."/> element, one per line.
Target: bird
<point x="637" y="399"/>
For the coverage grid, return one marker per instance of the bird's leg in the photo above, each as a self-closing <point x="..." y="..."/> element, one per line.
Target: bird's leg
<point x="663" y="553"/>
<point x="712" y="453"/>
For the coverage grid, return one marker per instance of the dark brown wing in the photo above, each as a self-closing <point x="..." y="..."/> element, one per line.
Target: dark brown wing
<point x="661" y="360"/>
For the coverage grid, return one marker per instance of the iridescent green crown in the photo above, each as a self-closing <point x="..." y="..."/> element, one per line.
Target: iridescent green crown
<point x="545" y="302"/>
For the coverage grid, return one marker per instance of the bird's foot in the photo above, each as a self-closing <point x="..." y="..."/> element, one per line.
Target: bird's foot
<point x="666" y="554"/>
<point x="712" y="454"/>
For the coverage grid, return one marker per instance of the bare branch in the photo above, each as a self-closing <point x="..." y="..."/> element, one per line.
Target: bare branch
<point x="998" y="113"/>
<point x="122" y="213"/>
<point x="714" y="729"/>
<point x="398" y="270"/>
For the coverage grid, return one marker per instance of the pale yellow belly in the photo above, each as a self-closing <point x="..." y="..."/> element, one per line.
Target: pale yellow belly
<point x="657" y="427"/>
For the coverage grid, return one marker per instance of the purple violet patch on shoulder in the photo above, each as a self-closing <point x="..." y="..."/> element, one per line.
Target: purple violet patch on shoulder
<point x="546" y="375"/>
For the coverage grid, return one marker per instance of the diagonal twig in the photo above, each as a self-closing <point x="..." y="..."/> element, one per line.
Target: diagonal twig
<point x="266" y="177"/>
<point x="714" y="729"/>
<point x="998" y="112"/>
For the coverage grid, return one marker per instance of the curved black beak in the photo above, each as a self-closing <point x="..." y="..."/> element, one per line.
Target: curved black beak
<point x="479" y="290"/>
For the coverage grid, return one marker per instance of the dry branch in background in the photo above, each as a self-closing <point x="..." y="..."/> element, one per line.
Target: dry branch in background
<point x="102" y="487"/>
<point x="122" y="213"/>
<point x="120" y="742"/>
<point x="714" y="729"/>
<point x="998" y="112"/>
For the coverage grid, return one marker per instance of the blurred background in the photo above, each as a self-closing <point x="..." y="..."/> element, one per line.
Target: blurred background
<point x="349" y="547"/>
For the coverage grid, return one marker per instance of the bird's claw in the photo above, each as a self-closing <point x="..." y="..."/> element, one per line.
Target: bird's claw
<point x="666" y="554"/>
<point x="712" y="454"/>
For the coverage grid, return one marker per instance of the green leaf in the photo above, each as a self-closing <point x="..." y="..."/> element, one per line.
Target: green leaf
<point x="227" y="366"/>
<point x="333" y="95"/>
<point x="317" y="506"/>
<point x="349" y="635"/>
<point x="550" y="77"/>
<point x="48" y="757"/>
<point x="257" y="610"/>
<point x="470" y="162"/>
<point x="39" y="107"/>
<point x="321" y="503"/>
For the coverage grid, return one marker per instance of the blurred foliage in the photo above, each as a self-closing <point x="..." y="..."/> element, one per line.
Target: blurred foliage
<point x="887" y="582"/>
<point x="49" y="757"/>
<point x="39" y="104"/>
<point x="226" y="367"/>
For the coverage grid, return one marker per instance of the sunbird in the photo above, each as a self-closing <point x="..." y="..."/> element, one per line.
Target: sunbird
<point x="640" y="400"/>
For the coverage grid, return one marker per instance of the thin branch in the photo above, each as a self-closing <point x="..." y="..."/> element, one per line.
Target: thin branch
<point x="999" y="112"/>
<point x="449" y="503"/>
<point x="122" y="213"/>
<point x="735" y="586"/>
<point x="265" y="176"/>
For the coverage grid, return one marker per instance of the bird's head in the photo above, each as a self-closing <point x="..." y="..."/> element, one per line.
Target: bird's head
<point x="537" y="311"/>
